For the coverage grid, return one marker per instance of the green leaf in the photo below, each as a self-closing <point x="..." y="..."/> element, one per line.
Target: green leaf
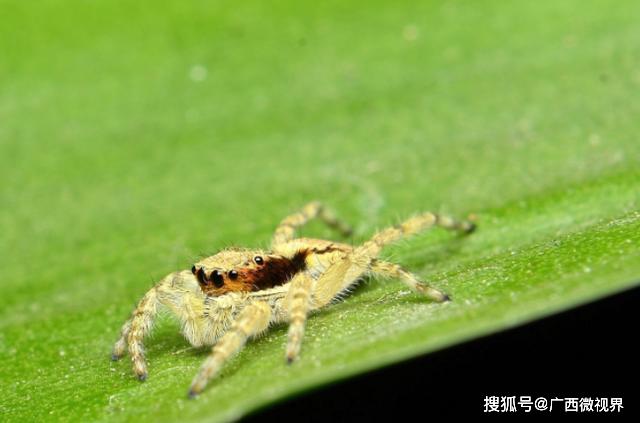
<point x="137" y="137"/>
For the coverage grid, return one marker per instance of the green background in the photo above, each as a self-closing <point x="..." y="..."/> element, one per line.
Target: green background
<point x="137" y="136"/>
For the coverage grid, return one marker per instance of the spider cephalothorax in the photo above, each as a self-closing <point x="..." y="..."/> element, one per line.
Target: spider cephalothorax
<point x="246" y="271"/>
<point x="237" y="294"/>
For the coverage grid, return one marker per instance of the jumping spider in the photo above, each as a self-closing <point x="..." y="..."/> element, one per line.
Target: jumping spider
<point x="238" y="293"/>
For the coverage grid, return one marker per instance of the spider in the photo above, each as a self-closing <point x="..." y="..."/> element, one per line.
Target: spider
<point x="232" y="296"/>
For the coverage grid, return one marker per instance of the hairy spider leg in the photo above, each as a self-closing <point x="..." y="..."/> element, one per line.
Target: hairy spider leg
<point x="253" y="319"/>
<point x="392" y="270"/>
<point x="298" y="308"/>
<point x="141" y="321"/>
<point x="286" y="230"/>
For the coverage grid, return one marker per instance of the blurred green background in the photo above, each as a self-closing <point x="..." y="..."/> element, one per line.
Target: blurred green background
<point x="137" y="136"/>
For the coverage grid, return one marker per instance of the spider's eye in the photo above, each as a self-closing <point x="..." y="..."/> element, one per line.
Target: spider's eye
<point x="258" y="260"/>
<point x="233" y="275"/>
<point x="217" y="279"/>
<point x="200" y="275"/>
<point x="193" y="269"/>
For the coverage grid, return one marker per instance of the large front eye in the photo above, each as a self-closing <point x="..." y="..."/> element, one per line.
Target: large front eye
<point x="200" y="275"/>
<point x="216" y="278"/>
<point x="233" y="275"/>
<point x="258" y="260"/>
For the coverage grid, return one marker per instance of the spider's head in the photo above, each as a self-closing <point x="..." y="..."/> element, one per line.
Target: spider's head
<point x="245" y="270"/>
